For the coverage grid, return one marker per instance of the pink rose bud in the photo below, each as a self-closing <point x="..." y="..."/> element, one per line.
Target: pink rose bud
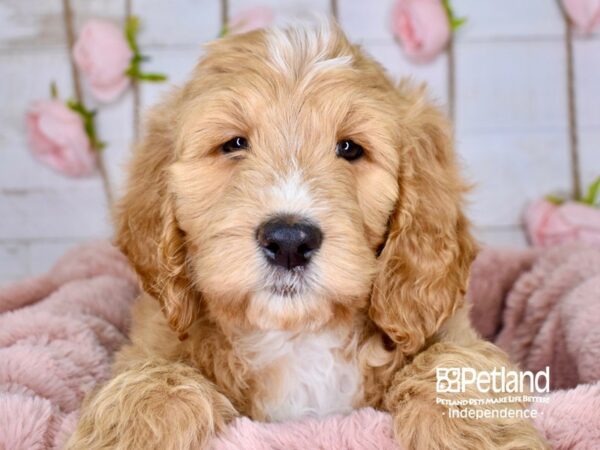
<point x="57" y="138"/>
<point x="585" y="14"/>
<point x="252" y="19"/>
<point x="422" y="27"/>
<point x="549" y="224"/>
<point x="103" y="56"/>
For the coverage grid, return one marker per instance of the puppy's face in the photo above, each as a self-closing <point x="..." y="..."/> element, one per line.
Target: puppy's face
<point x="289" y="184"/>
<point x="285" y="177"/>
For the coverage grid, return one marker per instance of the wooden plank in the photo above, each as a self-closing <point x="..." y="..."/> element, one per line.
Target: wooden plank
<point x="31" y="23"/>
<point x="28" y="83"/>
<point x="371" y="21"/>
<point x="111" y="10"/>
<point x="509" y="86"/>
<point x="44" y="254"/>
<point x="14" y="261"/>
<point x="20" y="172"/>
<point x="178" y="22"/>
<point x="20" y="259"/>
<point x="509" y="170"/>
<point x="77" y="213"/>
<point x="587" y="81"/>
<point x="176" y="62"/>
<point x="369" y="24"/>
<point x="435" y="74"/>
<point x="366" y="22"/>
<point x="587" y="93"/>
<point x="508" y="19"/>
<point x="284" y="10"/>
<point x="512" y="237"/>
<point x="173" y="41"/>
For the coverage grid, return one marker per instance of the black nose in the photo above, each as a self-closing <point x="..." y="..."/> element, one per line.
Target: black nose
<point x="288" y="243"/>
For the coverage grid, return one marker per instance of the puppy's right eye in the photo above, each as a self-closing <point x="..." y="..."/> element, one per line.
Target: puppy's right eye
<point x="233" y="145"/>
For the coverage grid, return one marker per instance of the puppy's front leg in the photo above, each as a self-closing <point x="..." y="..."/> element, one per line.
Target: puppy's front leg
<point x="421" y="423"/>
<point x="154" y="404"/>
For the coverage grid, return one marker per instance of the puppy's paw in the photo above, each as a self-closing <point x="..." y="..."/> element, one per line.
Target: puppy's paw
<point x="154" y="405"/>
<point x="421" y="422"/>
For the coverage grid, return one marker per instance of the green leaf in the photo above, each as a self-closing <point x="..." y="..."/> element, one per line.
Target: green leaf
<point x="555" y="199"/>
<point x="77" y="107"/>
<point x="592" y="194"/>
<point x="152" y="77"/>
<point x="134" y="71"/>
<point x="224" y="31"/>
<point x="99" y="145"/>
<point x="132" y="26"/>
<point x="88" y="123"/>
<point x="455" y="22"/>
<point x="137" y="58"/>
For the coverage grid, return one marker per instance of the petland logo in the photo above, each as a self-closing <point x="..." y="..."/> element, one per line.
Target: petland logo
<point x="456" y="380"/>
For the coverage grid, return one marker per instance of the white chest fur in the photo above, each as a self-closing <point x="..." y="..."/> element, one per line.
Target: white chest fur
<point x="302" y="374"/>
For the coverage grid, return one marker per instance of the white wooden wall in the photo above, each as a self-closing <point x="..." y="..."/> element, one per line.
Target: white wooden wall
<point x="505" y="84"/>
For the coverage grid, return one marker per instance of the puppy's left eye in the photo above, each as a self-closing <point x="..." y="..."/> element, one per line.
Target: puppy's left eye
<point x="349" y="150"/>
<point x="234" y="145"/>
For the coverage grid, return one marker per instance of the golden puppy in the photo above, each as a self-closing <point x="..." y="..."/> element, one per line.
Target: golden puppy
<point x="296" y="223"/>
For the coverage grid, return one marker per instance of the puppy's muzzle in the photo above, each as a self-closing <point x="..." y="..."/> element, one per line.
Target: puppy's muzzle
<point x="288" y="242"/>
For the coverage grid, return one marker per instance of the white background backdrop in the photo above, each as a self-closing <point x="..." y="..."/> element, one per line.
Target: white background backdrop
<point x="505" y="83"/>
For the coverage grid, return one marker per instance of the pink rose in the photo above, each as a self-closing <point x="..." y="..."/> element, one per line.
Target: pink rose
<point x="585" y="14"/>
<point x="249" y="20"/>
<point x="549" y="224"/>
<point x="422" y="27"/>
<point x="103" y="56"/>
<point x="57" y="138"/>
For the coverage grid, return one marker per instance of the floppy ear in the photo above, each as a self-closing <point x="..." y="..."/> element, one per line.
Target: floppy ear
<point x="146" y="227"/>
<point x="424" y="265"/>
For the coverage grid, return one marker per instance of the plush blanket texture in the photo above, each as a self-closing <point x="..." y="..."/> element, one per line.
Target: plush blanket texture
<point x="543" y="308"/>
<point x="57" y="336"/>
<point x="59" y="331"/>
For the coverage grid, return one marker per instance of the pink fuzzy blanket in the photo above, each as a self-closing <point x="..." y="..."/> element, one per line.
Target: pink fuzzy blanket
<point x="59" y="331"/>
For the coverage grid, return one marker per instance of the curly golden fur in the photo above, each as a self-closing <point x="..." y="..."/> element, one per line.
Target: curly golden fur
<point x="219" y="332"/>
